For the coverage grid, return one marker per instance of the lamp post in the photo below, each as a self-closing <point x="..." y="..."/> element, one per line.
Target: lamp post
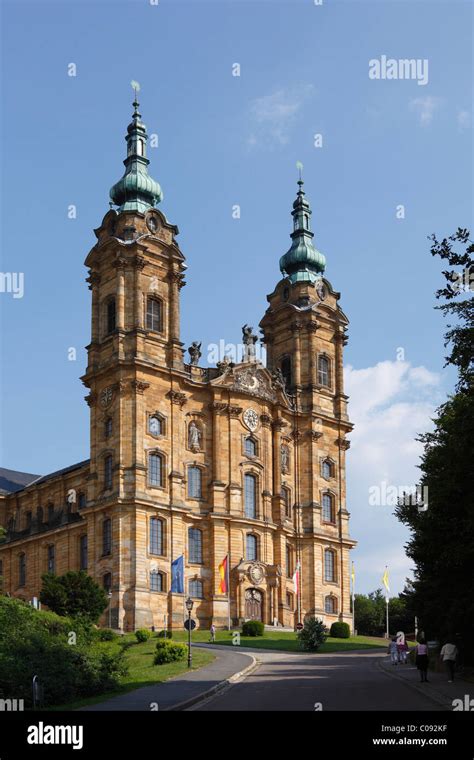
<point x="189" y="606"/>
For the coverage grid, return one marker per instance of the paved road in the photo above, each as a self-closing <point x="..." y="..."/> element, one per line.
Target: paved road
<point x="345" y="681"/>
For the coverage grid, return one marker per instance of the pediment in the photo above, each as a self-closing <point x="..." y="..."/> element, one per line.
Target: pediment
<point x="251" y="378"/>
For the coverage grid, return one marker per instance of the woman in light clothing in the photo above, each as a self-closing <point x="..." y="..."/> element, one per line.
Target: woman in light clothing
<point x="448" y="654"/>
<point x="421" y="651"/>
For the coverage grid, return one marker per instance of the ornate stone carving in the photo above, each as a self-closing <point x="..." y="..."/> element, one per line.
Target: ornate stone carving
<point x="93" y="280"/>
<point x="106" y="396"/>
<point x="343" y="443"/>
<point x="284" y="458"/>
<point x="139" y="386"/>
<point x="253" y="380"/>
<point x="194" y="436"/>
<point x="314" y="434"/>
<point x="278" y="381"/>
<point x="218" y="407"/>
<point x="177" y="397"/>
<point x="194" y="351"/>
<point x="225" y="366"/>
<point x="296" y="326"/>
<point x="234" y="411"/>
<point x="176" y="278"/>
<point x="266" y="420"/>
<point x="91" y="398"/>
<point x="279" y="424"/>
<point x="249" y="341"/>
<point x="256" y="573"/>
<point x="312" y="326"/>
<point x="139" y="262"/>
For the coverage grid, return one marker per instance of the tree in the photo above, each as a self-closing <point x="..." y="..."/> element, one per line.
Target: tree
<point x="313" y="635"/>
<point x="72" y="594"/>
<point x="442" y="536"/>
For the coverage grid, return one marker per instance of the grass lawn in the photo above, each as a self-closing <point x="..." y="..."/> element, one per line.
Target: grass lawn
<point x="142" y="672"/>
<point x="286" y="641"/>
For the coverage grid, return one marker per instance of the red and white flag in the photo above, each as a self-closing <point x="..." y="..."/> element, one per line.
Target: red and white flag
<point x="296" y="578"/>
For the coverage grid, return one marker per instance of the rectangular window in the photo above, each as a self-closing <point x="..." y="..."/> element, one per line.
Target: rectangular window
<point x="251" y="547"/>
<point x="195" y="589"/>
<point x="51" y="559"/>
<point x="250" y="494"/>
<point x="22" y="570"/>
<point x="289" y="601"/>
<point x="154" y="470"/>
<point x="82" y="500"/>
<point x="328" y="512"/>
<point x="108" y="472"/>
<point x="323" y="371"/>
<point x="156" y="536"/>
<point x="107" y="581"/>
<point x="156" y="581"/>
<point x="288" y="561"/>
<point x="111" y="316"/>
<point x="153" y="315"/>
<point x="83" y="553"/>
<point x="195" y="545"/>
<point x="329" y="568"/>
<point x="194" y="483"/>
<point x="107" y="536"/>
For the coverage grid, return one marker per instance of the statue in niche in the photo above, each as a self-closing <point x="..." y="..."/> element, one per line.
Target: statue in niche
<point x="194" y="437"/>
<point x="249" y="341"/>
<point x="285" y="459"/>
<point x="194" y="351"/>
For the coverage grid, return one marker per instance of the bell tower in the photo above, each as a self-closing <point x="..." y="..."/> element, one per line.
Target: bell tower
<point x="136" y="271"/>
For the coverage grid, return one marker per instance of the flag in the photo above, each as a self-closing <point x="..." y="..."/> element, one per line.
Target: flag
<point x="385" y="579"/>
<point x="177" y="575"/>
<point x="353" y="575"/>
<point x="223" y="586"/>
<point x="296" y="578"/>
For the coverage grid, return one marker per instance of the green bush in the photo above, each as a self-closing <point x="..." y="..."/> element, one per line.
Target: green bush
<point x="340" y="630"/>
<point x="142" y="635"/>
<point x="74" y="593"/>
<point x="34" y="642"/>
<point x="169" y="651"/>
<point x="106" y="634"/>
<point x="313" y="634"/>
<point x="253" y="628"/>
<point x="164" y="634"/>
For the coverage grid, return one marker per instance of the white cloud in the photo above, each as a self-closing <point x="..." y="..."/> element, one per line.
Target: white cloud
<point x="271" y="117"/>
<point x="390" y="405"/>
<point x="425" y="108"/>
<point x="463" y="119"/>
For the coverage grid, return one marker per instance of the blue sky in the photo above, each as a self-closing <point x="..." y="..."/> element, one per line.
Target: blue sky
<point x="226" y="140"/>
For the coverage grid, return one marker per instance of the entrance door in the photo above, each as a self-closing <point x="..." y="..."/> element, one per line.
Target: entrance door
<point x="253" y="604"/>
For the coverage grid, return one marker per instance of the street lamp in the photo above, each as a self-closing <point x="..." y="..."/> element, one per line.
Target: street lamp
<point x="189" y="606"/>
<point x="110" y="608"/>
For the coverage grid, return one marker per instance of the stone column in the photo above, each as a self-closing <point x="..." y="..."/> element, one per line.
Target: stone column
<point x="217" y="485"/>
<point x="311" y="328"/>
<point x="120" y="314"/>
<point x="296" y="329"/>
<point x="139" y="264"/>
<point x="175" y="350"/>
<point x="94" y="281"/>
<point x="277" y="426"/>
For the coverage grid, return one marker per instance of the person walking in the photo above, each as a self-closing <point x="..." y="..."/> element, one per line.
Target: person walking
<point x="402" y="652"/>
<point x="213" y="633"/>
<point x="421" y="652"/>
<point x="448" y="654"/>
<point x="393" y="651"/>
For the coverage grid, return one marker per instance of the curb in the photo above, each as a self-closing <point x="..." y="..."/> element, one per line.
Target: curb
<point x="434" y="696"/>
<point x="217" y="688"/>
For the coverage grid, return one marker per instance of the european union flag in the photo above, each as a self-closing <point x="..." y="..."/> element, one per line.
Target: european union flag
<point x="177" y="575"/>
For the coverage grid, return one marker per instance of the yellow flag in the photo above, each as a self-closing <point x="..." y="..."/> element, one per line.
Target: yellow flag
<point x="353" y="575"/>
<point x="385" y="579"/>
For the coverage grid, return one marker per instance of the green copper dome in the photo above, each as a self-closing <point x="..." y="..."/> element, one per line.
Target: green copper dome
<point x="136" y="191"/>
<point x="302" y="262"/>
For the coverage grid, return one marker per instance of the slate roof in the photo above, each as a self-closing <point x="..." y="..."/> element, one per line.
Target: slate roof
<point x="12" y="481"/>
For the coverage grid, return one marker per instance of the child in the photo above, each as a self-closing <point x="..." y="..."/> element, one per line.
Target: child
<point x="393" y="651"/>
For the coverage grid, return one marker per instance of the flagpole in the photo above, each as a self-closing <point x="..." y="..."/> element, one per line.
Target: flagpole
<point x="353" y="600"/>
<point x="386" y="599"/>
<point x="228" y="589"/>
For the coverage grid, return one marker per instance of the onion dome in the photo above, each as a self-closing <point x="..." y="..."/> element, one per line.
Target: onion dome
<point x="302" y="262"/>
<point x="136" y="191"/>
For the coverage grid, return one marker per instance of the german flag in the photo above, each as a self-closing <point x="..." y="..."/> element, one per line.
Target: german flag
<point x="223" y="585"/>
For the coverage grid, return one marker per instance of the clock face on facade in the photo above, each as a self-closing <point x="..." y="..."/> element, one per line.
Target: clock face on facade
<point x="106" y="397"/>
<point x="251" y="419"/>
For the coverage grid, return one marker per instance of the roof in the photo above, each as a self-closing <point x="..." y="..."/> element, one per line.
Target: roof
<point x="12" y="481"/>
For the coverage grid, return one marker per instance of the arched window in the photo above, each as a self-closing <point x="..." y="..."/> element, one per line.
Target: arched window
<point x="327" y="469"/>
<point x="251" y="547"/>
<point x="83" y="563"/>
<point x="196" y="588"/>
<point x="250" y="496"/>
<point x="288" y="558"/>
<point x="330" y="605"/>
<point x="329" y="565"/>
<point x="108" y="472"/>
<point x="51" y="558"/>
<point x="195" y="545"/>
<point x="286" y="496"/>
<point x="194" y="482"/>
<point x="286" y="371"/>
<point x="155" y="469"/>
<point x="107" y="536"/>
<point x="323" y="371"/>
<point x="250" y="446"/>
<point x="156" y="581"/>
<point x="22" y="570"/>
<point x="108" y="427"/>
<point x="111" y="316"/>
<point x="156" y="536"/>
<point x="153" y="314"/>
<point x="328" y="508"/>
<point x="107" y="582"/>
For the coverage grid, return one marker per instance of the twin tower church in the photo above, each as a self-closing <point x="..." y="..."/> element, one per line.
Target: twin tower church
<point x="223" y="483"/>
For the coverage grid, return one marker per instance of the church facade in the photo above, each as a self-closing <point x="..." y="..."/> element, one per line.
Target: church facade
<point x="233" y="473"/>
